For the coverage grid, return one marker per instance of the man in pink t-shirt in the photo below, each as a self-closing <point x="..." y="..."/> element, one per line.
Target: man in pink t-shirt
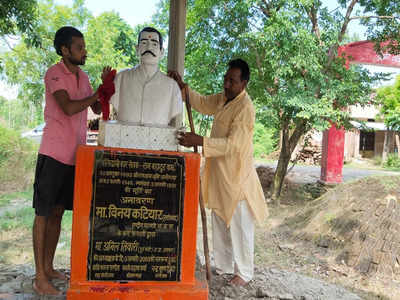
<point x="68" y="95"/>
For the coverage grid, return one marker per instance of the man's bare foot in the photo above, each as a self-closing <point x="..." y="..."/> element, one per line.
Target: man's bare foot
<point x="44" y="287"/>
<point x="54" y="274"/>
<point x="237" y="281"/>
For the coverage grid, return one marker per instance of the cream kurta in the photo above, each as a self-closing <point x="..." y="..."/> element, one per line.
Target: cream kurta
<point x="229" y="174"/>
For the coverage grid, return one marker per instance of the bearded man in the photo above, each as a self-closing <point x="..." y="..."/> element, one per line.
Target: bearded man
<point x="68" y="96"/>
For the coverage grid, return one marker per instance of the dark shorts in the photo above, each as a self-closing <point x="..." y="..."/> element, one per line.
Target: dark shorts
<point x="53" y="186"/>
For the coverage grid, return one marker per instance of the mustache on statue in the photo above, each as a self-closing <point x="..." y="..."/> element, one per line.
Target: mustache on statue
<point x="148" y="51"/>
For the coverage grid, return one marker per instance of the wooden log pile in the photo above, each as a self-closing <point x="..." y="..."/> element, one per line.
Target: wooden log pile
<point x="310" y="154"/>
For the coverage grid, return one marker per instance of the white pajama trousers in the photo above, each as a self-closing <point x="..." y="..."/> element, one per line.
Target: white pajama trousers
<point x="233" y="247"/>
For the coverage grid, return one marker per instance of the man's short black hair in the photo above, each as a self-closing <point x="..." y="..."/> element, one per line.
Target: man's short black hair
<point x="64" y="36"/>
<point x="151" y="29"/>
<point x="243" y="66"/>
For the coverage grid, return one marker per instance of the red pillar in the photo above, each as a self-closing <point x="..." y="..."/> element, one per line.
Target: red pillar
<point x="332" y="155"/>
<point x="362" y="52"/>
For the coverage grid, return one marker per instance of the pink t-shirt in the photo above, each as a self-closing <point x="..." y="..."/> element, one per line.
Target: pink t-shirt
<point x="62" y="133"/>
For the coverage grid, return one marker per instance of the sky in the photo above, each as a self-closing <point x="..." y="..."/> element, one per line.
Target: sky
<point x="132" y="11"/>
<point x="139" y="11"/>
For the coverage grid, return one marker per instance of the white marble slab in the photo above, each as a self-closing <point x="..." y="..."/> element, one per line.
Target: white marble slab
<point x="134" y="136"/>
<point x="109" y="134"/>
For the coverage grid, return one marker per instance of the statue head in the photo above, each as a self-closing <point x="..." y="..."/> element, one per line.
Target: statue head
<point x="150" y="46"/>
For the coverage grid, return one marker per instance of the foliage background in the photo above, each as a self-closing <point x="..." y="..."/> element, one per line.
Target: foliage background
<point x="389" y="99"/>
<point x="17" y="160"/>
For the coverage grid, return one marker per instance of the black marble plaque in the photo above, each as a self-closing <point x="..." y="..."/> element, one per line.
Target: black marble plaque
<point x="136" y="217"/>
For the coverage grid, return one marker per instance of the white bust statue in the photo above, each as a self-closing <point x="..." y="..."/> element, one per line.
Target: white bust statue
<point x="144" y="95"/>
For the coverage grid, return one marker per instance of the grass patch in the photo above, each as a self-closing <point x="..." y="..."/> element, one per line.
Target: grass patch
<point x="25" y="195"/>
<point x="16" y="237"/>
<point x="20" y="218"/>
<point x="23" y="218"/>
<point x="66" y="232"/>
<point x="366" y="164"/>
<point x="18" y="213"/>
<point x="390" y="183"/>
<point x="392" y="162"/>
<point x="66" y="224"/>
<point x="67" y="220"/>
<point x="17" y="160"/>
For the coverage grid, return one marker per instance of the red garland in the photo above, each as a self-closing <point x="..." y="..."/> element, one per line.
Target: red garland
<point x="106" y="90"/>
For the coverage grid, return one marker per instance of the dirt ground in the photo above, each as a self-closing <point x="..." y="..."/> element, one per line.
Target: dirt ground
<point x="338" y="236"/>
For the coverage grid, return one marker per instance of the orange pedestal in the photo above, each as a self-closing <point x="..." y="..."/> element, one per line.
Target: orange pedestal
<point x="184" y="287"/>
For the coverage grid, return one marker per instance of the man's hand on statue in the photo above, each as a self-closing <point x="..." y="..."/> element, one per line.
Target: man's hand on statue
<point x="175" y="75"/>
<point x="189" y="139"/>
<point x="105" y="72"/>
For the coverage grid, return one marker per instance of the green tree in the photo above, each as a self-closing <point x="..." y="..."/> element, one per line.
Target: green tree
<point x="203" y="71"/>
<point x="389" y="99"/>
<point x="19" y="16"/>
<point x="298" y="82"/>
<point x="25" y="66"/>
<point x="16" y="115"/>
<point x="109" y="41"/>
<point x="264" y="141"/>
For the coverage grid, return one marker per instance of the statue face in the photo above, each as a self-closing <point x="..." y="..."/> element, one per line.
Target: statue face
<point x="149" y="48"/>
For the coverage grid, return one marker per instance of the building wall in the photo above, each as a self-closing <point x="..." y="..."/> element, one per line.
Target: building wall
<point x="352" y="138"/>
<point x="351" y="144"/>
<point x="363" y="113"/>
<point x="379" y="140"/>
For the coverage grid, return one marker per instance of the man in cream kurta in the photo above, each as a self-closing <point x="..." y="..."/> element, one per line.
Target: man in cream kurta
<point x="144" y="95"/>
<point x="230" y="184"/>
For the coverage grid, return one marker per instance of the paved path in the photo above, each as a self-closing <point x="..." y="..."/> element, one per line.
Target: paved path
<point x="310" y="174"/>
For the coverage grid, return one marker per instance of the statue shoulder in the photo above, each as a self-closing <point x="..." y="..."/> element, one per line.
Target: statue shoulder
<point x="125" y="73"/>
<point x="167" y="79"/>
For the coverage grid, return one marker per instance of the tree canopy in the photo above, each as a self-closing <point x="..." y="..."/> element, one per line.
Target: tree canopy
<point x="298" y="82"/>
<point x="389" y="99"/>
<point x="109" y="41"/>
<point x="19" y="16"/>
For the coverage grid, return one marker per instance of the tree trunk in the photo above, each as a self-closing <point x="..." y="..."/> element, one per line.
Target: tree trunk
<point x="280" y="173"/>
<point x="386" y="145"/>
<point x="289" y="143"/>
<point x="280" y="140"/>
<point x="397" y="137"/>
